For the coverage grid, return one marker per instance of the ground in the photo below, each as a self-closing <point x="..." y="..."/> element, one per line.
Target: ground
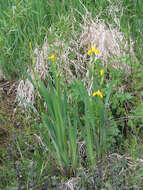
<point x="7" y="116"/>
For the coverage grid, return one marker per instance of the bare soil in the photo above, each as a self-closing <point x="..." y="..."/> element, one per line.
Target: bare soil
<point x="7" y="116"/>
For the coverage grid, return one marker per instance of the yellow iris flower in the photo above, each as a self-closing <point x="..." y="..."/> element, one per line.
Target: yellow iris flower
<point x="52" y="57"/>
<point x="30" y="44"/>
<point x="93" y="50"/>
<point x="101" y="72"/>
<point x="98" y="93"/>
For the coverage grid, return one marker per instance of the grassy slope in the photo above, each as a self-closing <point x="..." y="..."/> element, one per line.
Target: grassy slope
<point x="21" y="22"/>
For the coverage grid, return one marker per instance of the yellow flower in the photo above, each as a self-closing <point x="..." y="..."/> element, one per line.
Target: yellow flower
<point x="101" y="72"/>
<point x="89" y="52"/>
<point x="98" y="93"/>
<point x="96" y="51"/>
<point x="52" y="57"/>
<point x="30" y="44"/>
<point x="93" y="50"/>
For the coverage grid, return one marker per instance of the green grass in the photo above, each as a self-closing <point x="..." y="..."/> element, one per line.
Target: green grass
<point x="22" y="22"/>
<point x="74" y="133"/>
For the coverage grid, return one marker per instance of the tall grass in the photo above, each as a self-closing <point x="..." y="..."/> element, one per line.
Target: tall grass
<point x="69" y="116"/>
<point x="132" y="24"/>
<point x="59" y="130"/>
<point x="22" y="22"/>
<point x="63" y="127"/>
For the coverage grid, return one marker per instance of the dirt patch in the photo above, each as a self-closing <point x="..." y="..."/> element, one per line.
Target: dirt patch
<point x="7" y="118"/>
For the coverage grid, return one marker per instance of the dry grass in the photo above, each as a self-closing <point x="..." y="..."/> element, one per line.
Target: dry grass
<point x="72" y="59"/>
